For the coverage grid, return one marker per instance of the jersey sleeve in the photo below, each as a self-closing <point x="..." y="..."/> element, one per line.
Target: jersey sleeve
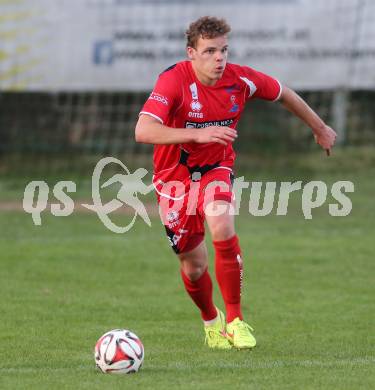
<point x="261" y="85"/>
<point x="163" y="98"/>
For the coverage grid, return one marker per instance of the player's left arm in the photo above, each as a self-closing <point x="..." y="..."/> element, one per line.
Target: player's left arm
<point x="324" y="135"/>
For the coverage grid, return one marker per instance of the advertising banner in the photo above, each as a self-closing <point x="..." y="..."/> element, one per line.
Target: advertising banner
<point x="90" y="45"/>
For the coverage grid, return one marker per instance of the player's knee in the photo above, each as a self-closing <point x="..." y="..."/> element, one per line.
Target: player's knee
<point x="193" y="271"/>
<point x="222" y="231"/>
<point x="194" y="274"/>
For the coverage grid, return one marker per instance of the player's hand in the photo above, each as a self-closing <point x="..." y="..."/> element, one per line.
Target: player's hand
<point x="326" y="138"/>
<point x="219" y="134"/>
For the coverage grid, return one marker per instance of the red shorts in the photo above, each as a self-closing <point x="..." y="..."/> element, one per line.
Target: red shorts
<point x="182" y="205"/>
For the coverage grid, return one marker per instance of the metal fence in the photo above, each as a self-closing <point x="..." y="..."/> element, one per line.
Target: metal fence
<point x="49" y="132"/>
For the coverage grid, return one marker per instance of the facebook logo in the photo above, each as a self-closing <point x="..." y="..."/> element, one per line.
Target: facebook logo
<point x="103" y="53"/>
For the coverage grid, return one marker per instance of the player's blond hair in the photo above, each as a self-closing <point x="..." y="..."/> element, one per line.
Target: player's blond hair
<point x="206" y="27"/>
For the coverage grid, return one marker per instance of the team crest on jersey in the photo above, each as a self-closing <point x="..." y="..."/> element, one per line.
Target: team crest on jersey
<point x="235" y="107"/>
<point x="173" y="218"/>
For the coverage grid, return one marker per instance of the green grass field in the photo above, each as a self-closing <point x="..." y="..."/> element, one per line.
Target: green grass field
<point x="309" y="292"/>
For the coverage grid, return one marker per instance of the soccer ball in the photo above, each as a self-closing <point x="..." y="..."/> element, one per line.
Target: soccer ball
<point x="119" y="351"/>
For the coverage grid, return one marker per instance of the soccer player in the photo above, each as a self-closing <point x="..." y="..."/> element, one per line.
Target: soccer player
<point x="191" y="118"/>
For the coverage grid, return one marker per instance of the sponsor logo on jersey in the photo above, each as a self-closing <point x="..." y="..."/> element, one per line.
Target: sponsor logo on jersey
<point x="198" y="115"/>
<point x="159" y="98"/>
<point x="201" y="125"/>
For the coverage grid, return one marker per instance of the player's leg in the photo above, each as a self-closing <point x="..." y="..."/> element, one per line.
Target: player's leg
<point x="197" y="281"/>
<point x="186" y="236"/>
<point x="198" y="284"/>
<point x="218" y="206"/>
<point x="228" y="265"/>
<point x="228" y="260"/>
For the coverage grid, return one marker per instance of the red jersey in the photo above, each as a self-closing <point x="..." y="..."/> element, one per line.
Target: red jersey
<point x="180" y="100"/>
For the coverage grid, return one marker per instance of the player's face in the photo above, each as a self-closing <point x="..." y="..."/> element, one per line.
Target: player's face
<point x="209" y="58"/>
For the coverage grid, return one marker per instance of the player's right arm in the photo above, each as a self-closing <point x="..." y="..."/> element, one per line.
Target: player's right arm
<point x="150" y="130"/>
